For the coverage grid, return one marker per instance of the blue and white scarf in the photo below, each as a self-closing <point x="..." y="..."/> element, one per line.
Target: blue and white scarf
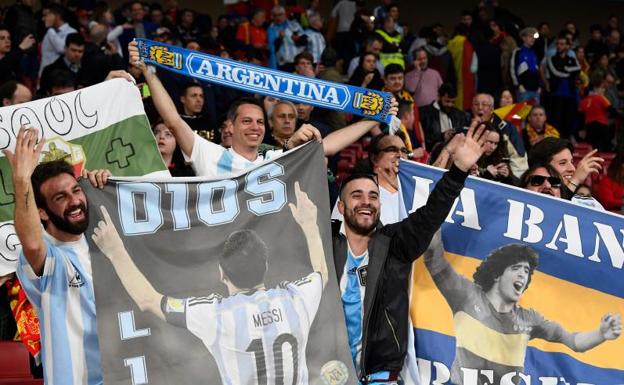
<point x="264" y="81"/>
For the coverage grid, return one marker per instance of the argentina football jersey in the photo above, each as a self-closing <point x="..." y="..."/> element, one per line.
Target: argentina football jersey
<point x="210" y="159"/>
<point x="65" y="302"/>
<point x="256" y="337"/>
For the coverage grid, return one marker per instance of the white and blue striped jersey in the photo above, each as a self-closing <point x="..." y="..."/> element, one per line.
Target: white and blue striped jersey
<point x="210" y="159"/>
<point x="352" y="288"/>
<point x="289" y="49"/>
<point x="65" y="303"/>
<point x="316" y="43"/>
<point x="255" y="338"/>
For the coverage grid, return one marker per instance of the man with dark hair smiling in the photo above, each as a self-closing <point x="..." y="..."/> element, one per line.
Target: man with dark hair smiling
<point x="373" y="262"/>
<point x="54" y="266"/>
<point x="489" y="307"/>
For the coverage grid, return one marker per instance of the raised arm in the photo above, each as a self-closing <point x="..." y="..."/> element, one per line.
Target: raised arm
<point x="27" y="221"/>
<point x="138" y="287"/>
<point x="339" y="139"/>
<point x="414" y="233"/>
<point x="164" y="105"/>
<point x="610" y="329"/>
<point x="590" y="164"/>
<point x="304" y="213"/>
<point x="342" y="138"/>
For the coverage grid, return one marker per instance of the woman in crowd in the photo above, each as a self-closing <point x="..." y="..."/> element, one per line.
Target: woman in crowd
<point x="170" y="151"/>
<point x="602" y="72"/>
<point x="103" y="15"/>
<point x="366" y="74"/>
<point x="494" y="163"/>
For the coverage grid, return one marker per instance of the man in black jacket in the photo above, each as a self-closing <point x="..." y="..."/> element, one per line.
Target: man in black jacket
<point x="70" y="61"/>
<point x="373" y="263"/>
<point x="561" y="73"/>
<point x="441" y="119"/>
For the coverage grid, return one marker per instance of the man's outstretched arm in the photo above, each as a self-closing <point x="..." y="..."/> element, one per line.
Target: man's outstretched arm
<point x="27" y="221"/>
<point x="138" y="287"/>
<point x="610" y="329"/>
<point x="164" y="105"/>
<point x="304" y="213"/>
<point x="339" y="139"/>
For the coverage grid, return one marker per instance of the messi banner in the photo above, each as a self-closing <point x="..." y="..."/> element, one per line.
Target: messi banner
<point x="265" y="81"/>
<point x="527" y="289"/>
<point x="102" y="126"/>
<point x="220" y="281"/>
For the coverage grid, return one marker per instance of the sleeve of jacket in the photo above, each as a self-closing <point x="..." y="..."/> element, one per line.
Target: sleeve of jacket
<point x="413" y="235"/>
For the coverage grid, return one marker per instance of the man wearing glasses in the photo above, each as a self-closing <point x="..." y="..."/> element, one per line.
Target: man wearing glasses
<point x="483" y="109"/>
<point x="384" y="153"/>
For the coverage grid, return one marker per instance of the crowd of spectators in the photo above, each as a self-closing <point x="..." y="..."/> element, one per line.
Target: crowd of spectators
<point x="539" y="92"/>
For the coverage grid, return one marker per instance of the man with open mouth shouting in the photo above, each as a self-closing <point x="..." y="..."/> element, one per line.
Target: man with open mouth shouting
<point x="55" y="265"/>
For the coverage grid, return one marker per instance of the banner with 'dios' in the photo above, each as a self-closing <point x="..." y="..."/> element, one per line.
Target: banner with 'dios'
<point x="225" y="281"/>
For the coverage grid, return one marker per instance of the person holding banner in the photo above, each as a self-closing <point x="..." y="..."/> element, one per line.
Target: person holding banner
<point x="55" y="265"/>
<point x="261" y="316"/>
<point x="247" y="117"/>
<point x="488" y="310"/>
<point x="373" y="262"/>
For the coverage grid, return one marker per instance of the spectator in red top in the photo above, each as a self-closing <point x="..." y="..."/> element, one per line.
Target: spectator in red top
<point x="595" y="108"/>
<point x="253" y="34"/>
<point x="610" y="190"/>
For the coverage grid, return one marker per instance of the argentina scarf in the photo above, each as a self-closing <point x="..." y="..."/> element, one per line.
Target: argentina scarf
<point x="264" y="81"/>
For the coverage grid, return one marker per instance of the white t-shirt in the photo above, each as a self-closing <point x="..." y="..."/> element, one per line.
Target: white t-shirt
<point x="210" y="159"/>
<point x="345" y="12"/>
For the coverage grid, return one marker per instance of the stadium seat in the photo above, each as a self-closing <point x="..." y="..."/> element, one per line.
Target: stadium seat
<point x="582" y="148"/>
<point x="349" y="155"/>
<point x="14" y="360"/>
<point x="608" y="158"/>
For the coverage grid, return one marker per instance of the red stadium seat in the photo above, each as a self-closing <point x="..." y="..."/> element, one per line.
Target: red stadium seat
<point x="14" y="360"/>
<point x="348" y="155"/>
<point x="581" y="149"/>
<point x="608" y="158"/>
<point x="357" y="147"/>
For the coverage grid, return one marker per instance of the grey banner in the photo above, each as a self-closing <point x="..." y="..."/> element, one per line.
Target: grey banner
<point x="190" y="328"/>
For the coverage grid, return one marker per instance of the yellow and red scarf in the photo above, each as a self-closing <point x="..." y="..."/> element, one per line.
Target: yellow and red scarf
<point x="25" y="318"/>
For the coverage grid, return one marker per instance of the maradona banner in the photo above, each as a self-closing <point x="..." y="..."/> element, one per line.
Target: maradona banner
<point x="225" y="281"/>
<point x="103" y="126"/>
<point x="264" y="81"/>
<point x="528" y="289"/>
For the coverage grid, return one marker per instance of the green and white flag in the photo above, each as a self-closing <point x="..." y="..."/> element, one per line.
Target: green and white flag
<point x="103" y="126"/>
